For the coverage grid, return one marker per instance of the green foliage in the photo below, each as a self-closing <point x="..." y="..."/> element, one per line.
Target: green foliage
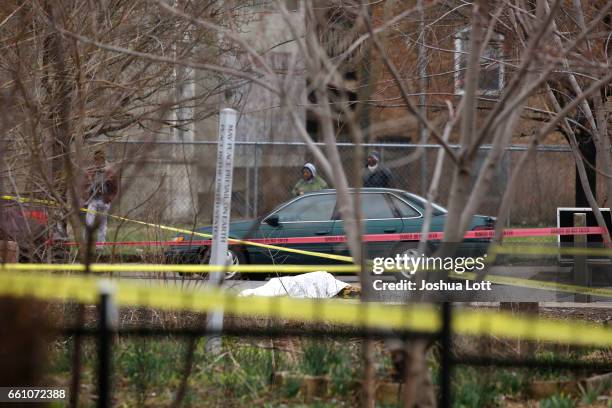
<point x="324" y="357"/>
<point x="510" y="382"/>
<point x="246" y="371"/>
<point x="319" y="357"/>
<point x="384" y="364"/>
<point x="342" y="377"/>
<point x="344" y="372"/>
<point x="147" y="365"/>
<point x="588" y="396"/>
<point x="475" y="392"/>
<point x="557" y="401"/>
<point x="148" y="372"/>
<point x="475" y="388"/>
<point x="291" y="387"/>
<point x="60" y="356"/>
<point x="257" y="362"/>
<point x="317" y="404"/>
<point x="386" y="405"/>
<point x="190" y="399"/>
<point x="550" y="373"/>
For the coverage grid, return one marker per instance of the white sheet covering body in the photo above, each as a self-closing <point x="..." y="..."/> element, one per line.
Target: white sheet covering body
<point x="315" y="285"/>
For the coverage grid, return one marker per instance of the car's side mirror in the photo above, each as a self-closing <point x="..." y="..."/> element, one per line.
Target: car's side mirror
<point x="272" y="220"/>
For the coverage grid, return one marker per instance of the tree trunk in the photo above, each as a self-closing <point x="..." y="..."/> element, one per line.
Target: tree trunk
<point x="588" y="151"/>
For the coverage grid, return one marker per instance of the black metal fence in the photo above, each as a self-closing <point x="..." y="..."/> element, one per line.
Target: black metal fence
<point x="106" y="332"/>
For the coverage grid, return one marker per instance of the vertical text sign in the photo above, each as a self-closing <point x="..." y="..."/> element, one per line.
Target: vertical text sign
<point x="223" y="189"/>
<point x="221" y="214"/>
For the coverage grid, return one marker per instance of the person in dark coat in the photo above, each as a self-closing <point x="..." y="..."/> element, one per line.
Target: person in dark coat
<point x="375" y="174"/>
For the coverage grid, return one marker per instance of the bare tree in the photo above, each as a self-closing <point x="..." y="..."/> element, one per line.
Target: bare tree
<point x="104" y="74"/>
<point x="68" y="95"/>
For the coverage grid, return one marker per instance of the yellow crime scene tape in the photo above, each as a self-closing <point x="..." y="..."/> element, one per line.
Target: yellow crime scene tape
<point x="252" y="268"/>
<point x="494" y="251"/>
<point x="547" y="250"/>
<point x="186" y="231"/>
<point x="164" y="268"/>
<point x="422" y="318"/>
<point x="537" y="284"/>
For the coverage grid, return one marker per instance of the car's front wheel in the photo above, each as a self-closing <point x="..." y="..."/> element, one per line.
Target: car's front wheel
<point x="235" y="256"/>
<point x="410" y="250"/>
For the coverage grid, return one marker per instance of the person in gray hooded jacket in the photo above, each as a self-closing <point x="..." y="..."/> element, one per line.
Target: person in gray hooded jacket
<point x="309" y="182"/>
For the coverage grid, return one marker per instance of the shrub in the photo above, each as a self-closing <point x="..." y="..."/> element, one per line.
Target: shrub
<point x="557" y="401"/>
<point x="319" y="357"/>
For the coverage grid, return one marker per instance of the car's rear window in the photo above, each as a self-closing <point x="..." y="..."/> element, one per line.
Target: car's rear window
<point x="375" y="207"/>
<point x="420" y="201"/>
<point x="405" y="210"/>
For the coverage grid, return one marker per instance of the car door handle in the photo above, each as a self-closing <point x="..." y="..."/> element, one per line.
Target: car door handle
<point x="322" y="232"/>
<point x="388" y="230"/>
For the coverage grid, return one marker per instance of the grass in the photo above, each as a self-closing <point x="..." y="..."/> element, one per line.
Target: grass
<point x="335" y="360"/>
<point x="147" y="372"/>
<point x="321" y="357"/>
<point x="147" y="365"/>
<point x="472" y="389"/>
<point x="589" y="396"/>
<point x="291" y="387"/>
<point x="247" y="371"/>
<point x="558" y="401"/>
<point x="541" y="240"/>
<point x="489" y="387"/>
<point x="60" y="356"/>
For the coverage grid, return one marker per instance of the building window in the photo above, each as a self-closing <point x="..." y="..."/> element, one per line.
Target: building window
<point x="491" y="77"/>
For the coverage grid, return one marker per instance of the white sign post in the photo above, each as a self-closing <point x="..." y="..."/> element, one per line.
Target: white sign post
<point x="221" y="216"/>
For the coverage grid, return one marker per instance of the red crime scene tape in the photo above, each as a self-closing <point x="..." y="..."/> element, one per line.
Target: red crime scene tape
<point x="412" y="236"/>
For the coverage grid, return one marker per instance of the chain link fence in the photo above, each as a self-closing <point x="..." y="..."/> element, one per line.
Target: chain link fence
<point x="174" y="181"/>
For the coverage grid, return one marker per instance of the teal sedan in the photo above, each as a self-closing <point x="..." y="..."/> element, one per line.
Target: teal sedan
<point x="385" y="211"/>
